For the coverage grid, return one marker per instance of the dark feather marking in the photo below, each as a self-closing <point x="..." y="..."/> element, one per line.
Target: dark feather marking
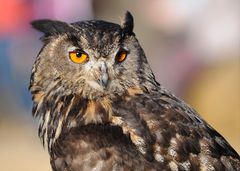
<point x="194" y="162"/>
<point x="166" y="135"/>
<point x="34" y="108"/>
<point x="221" y="147"/>
<point x="186" y="146"/>
<point x="78" y="103"/>
<point x="182" y="129"/>
<point x="83" y="103"/>
<point x="127" y="25"/>
<point x="136" y="123"/>
<point x="51" y="27"/>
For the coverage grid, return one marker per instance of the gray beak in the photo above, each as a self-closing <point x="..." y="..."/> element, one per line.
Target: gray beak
<point x="103" y="75"/>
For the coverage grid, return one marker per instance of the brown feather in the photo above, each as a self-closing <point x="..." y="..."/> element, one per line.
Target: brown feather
<point x="121" y="119"/>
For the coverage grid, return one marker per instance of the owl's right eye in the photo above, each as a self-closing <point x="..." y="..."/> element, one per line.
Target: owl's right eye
<point x="121" y="56"/>
<point x="78" y="56"/>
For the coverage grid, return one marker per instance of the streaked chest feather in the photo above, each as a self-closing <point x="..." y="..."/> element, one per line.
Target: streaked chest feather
<point x="59" y="114"/>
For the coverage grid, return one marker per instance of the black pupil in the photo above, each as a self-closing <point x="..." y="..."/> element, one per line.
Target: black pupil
<point x="78" y="54"/>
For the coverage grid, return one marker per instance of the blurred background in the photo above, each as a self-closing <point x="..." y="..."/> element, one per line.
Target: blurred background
<point x="192" y="46"/>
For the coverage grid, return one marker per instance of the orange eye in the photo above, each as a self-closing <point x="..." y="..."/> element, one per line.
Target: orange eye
<point x="78" y="57"/>
<point x="121" y="56"/>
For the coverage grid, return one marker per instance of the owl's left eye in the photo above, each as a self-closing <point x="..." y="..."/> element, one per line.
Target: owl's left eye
<point x="78" y="56"/>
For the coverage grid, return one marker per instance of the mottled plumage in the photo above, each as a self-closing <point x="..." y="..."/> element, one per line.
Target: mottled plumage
<point x="108" y="112"/>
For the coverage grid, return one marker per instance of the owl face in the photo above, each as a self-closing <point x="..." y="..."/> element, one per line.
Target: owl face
<point x="91" y="58"/>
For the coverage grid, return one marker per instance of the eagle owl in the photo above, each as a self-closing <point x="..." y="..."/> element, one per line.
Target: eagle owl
<point x="100" y="107"/>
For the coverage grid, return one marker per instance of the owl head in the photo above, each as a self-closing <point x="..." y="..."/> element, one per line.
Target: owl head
<point x="93" y="58"/>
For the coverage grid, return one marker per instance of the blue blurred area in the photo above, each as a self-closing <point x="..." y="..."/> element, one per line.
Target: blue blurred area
<point x="5" y="68"/>
<point x="12" y="83"/>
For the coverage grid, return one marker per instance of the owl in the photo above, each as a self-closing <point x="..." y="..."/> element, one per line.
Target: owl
<point x="100" y="107"/>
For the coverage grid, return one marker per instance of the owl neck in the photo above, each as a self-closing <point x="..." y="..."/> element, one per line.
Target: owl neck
<point x="58" y="114"/>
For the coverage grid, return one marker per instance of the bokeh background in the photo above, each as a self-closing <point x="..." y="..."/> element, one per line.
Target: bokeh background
<point x="192" y="46"/>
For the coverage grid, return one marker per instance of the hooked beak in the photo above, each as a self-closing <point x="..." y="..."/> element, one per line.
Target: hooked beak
<point x="102" y="75"/>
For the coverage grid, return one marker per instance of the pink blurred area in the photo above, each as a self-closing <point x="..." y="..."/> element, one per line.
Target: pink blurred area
<point x="192" y="46"/>
<point x="14" y="16"/>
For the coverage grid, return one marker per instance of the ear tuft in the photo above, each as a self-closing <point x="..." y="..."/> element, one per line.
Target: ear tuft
<point x="51" y="27"/>
<point x="127" y="24"/>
